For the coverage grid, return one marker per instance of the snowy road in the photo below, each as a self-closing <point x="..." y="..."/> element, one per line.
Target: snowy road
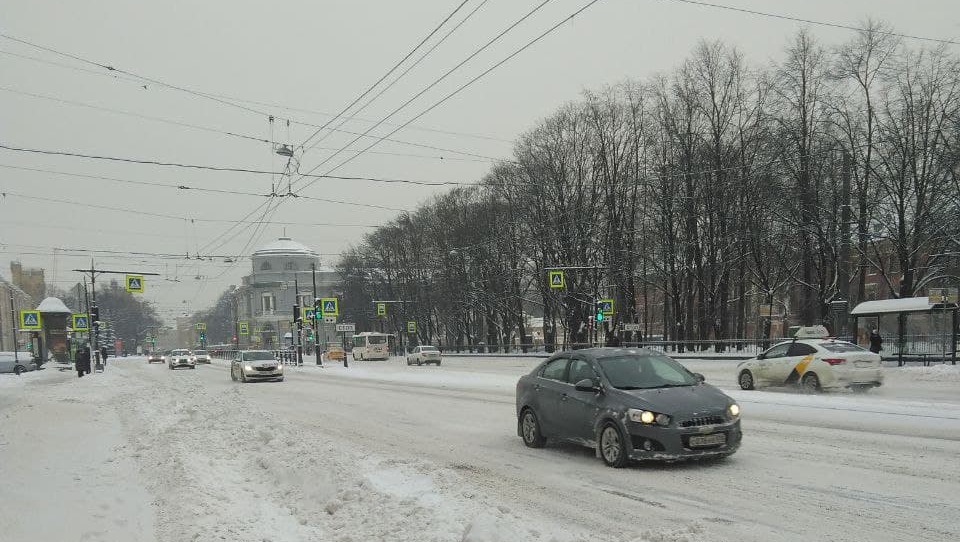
<point x="382" y="451"/>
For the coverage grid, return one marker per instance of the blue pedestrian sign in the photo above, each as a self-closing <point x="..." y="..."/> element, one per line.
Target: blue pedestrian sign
<point x="606" y="306"/>
<point x="330" y="306"/>
<point x="30" y="320"/>
<point x="80" y="322"/>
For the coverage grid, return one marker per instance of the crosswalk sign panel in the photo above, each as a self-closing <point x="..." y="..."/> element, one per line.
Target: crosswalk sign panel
<point x="329" y="306"/>
<point x="30" y="320"/>
<point x="80" y="322"/>
<point x="135" y="283"/>
<point x="381" y="309"/>
<point x="557" y="279"/>
<point x="244" y="328"/>
<point x="411" y="326"/>
<point x="606" y="307"/>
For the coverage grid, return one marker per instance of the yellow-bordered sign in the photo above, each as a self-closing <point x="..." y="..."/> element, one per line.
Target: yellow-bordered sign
<point x="411" y="326"/>
<point x="201" y="326"/>
<point x="244" y="328"/>
<point x="381" y="309"/>
<point x="307" y="313"/>
<point x="330" y="306"/>
<point x="30" y="320"/>
<point x="606" y="307"/>
<point x="135" y="284"/>
<point x="557" y="279"/>
<point x="81" y="322"/>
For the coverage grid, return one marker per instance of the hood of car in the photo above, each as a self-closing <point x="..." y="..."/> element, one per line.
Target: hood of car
<point x="702" y="398"/>
<point x="262" y="363"/>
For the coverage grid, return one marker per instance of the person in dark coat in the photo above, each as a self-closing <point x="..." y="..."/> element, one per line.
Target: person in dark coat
<point x="103" y="355"/>
<point x="612" y="339"/>
<point x="876" y="341"/>
<point x="83" y="361"/>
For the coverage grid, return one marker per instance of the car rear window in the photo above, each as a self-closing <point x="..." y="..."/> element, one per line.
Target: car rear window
<point x="839" y="347"/>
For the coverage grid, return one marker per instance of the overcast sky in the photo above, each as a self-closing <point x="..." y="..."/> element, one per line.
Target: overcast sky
<point x="305" y="60"/>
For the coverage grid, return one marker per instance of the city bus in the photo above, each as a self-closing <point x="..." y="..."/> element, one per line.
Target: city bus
<point x="371" y="345"/>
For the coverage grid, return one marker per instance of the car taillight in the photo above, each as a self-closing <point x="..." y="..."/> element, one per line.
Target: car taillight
<point x="834" y="361"/>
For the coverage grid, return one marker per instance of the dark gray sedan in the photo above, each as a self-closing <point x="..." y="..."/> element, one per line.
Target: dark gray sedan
<point x="627" y="404"/>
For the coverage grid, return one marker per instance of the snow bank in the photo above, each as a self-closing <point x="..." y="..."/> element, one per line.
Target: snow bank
<point x="933" y="373"/>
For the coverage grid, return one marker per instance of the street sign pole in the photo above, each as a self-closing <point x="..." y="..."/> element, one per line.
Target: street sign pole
<point x="316" y="318"/>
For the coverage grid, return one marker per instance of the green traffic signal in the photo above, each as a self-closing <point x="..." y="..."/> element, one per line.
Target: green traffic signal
<point x="599" y="315"/>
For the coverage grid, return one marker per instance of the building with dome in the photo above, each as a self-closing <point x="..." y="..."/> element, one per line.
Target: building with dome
<point x="281" y="276"/>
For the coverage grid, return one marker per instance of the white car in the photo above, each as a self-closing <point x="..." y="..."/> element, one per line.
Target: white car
<point x="813" y="364"/>
<point x="201" y="356"/>
<point x="181" y="358"/>
<point x="251" y="365"/>
<point x="424" y="354"/>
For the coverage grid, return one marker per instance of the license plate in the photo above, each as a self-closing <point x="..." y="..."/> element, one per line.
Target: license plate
<point x="863" y="364"/>
<point x="699" y="441"/>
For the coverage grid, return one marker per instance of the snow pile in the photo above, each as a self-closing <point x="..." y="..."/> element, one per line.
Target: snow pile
<point x="690" y="533"/>
<point x="933" y="373"/>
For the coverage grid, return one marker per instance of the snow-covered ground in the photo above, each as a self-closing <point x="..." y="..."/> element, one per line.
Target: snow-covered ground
<point x="383" y="451"/>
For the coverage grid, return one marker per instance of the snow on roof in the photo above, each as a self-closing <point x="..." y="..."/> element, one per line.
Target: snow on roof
<point x="285" y="246"/>
<point x="53" y="305"/>
<point x="887" y="306"/>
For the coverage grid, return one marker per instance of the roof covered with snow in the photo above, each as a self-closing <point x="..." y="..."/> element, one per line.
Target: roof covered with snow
<point x="887" y="306"/>
<point x="285" y="246"/>
<point x="53" y="305"/>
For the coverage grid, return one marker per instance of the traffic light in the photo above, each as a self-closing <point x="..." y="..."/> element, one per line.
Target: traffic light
<point x="599" y="312"/>
<point x="296" y="313"/>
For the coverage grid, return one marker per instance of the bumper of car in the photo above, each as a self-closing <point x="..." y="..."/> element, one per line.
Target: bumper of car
<point x="653" y="442"/>
<point x="260" y="374"/>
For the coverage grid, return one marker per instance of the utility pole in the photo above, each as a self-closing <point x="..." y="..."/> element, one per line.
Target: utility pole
<point x="316" y="317"/>
<point x="13" y="319"/>
<point x="298" y="318"/>
<point x="93" y="315"/>
<point x="843" y="277"/>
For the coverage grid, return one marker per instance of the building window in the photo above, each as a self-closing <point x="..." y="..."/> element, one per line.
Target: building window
<point x="265" y="266"/>
<point x="288" y="266"/>
<point x="267" y="303"/>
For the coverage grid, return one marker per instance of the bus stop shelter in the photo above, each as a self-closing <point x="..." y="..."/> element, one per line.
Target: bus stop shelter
<point x="926" y="330"/>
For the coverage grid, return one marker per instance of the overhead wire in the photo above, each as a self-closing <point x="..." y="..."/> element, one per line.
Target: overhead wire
<point x="384" y="76"/>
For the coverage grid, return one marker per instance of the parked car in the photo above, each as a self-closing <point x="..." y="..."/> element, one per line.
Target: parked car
<point x="250" y="365"/>
<point x="814" y="362"/>
<point x="181" y="358"/>
<point x="201" y="356"/>
<point x="628" y="404"/>
<point x="156" y="357"/>
<point x="335" y="352"/>
<point x="16" y="362"/>
<point x="424" y="354"/>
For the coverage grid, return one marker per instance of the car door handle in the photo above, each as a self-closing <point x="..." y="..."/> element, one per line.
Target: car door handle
<point x="564" y="397"/>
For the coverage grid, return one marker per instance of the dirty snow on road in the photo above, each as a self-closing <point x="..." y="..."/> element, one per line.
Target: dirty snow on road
<point x="383" y="451"/>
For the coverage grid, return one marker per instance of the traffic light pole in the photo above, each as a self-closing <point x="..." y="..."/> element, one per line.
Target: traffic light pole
<point x="316" y="317"/>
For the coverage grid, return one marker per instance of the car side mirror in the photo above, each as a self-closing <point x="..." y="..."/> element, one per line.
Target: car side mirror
<point x="761" y="356"/>
<point x="699" y="377"/>
<point x="587" y="385"/>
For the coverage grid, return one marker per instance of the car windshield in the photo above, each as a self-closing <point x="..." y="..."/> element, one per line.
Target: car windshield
<point x="839" y="347"/>
<point x="180" y="352"/>
<point x="644" y="371"/>
<point x="429" y="348"/>
<point x="258" y="356"/>
<point x="200" y="352"/>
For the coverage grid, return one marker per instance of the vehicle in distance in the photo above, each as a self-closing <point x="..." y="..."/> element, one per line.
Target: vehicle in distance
<point x="201" y="356"/>
<point x="181" y="358"/>
<point x="814" y="362"/>
<point x="628" y="404"/>
<point x="155" y="357"/>
<point x="335" y="352"/>
<point x="424" y="354"/>
<point x="370" y="345"/>
<point x="16" y="362"/>
<point x="248" y="365"/>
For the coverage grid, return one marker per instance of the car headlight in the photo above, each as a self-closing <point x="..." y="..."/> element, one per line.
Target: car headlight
<point x="247" y="368"/>
<point x="647" y="417"/>
<point x="734" y="410"/>
<point x="279" y="367"/>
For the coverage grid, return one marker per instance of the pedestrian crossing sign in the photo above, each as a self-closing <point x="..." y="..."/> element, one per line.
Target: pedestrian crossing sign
<point x="201" y="326"/>
<point x="135" y="284"/>
<point x="307" y="313"/>
<point x="381" y="309"/>
<point x="330" y="306"/>
<point x="30" y="320"/>
<point x="557" y="279"/>
<point x="80" y="322"/>
<point x="606" y="307"/>
<point x="244" y="328"/>
<point x="412" y="326"/>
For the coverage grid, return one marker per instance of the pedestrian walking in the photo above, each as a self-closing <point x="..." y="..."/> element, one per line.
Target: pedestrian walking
<point x="83" y="361"/>
<point x="876" y="341"/>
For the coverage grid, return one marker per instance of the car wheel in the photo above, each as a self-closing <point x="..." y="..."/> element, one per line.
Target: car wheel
<point x="408" y="362"/>
<point x="612" y="449"/>
<point x="419" y="362"/>
<point x="860" y="388"/>
<point x="438" y="364"/>
<point x="243" y="376"/>
<point x="19" y="369"/>
<point x="746" y="380"/>
<point x="810" y="383"/>
<point x="233" y="375"/>
<point x="530" y="429"/>
<point x="280" y="379"/>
